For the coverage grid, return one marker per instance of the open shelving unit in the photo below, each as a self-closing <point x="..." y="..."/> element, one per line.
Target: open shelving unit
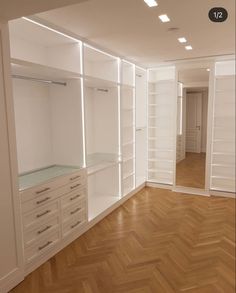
<point x="47" y="100"/>
<point x="161" y="123"/>
<point x="102" y="129"/>
<point x="128" y="126"/>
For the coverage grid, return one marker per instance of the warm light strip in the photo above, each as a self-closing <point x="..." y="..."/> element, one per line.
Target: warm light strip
<point x="100" y="51"/>
<point x="134" y="123"/>
<point x="51" y="29"/>
<point x="83" y="106"/>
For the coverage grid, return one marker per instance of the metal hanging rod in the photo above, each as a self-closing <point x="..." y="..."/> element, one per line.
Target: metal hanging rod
<point x="39" y="80"/>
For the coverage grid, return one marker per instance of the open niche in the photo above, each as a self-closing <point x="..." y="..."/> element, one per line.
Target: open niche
<point x="102" y="130"/>
<point x="47" y="102"/>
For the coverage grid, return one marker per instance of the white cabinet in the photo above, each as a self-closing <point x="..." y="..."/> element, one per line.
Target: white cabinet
<point x="11" y="254"/>
<point x="52" y="211"/>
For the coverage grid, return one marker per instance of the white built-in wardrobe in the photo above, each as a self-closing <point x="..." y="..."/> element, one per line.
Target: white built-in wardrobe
<point x="83" y="130"/>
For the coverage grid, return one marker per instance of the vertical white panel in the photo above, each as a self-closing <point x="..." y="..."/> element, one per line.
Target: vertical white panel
<point x="141" y="126"/>
<point x="11" y="252"/>
<point x="161" y="125"/>
<point x="223" y="136"/>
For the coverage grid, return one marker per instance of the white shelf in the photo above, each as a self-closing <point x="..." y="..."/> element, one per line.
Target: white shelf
<point x="128" y="143"/>
<point x="127" y="86"/>
<point x="128" y="159"/>
<point x="100" y="161"/>
<point x="99" y="203"/>
<point x="94" y="82"/>
<point x="127" y="175"/>
<point x="34" y="70"/>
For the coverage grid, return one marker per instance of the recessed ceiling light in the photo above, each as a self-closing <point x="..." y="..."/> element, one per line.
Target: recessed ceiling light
<point x="182" y="40"/>
<point x="208" y="69"/>
<point x="188" y="47"/>
<point x="151" y="3"/>
<point x="164" y="18"/>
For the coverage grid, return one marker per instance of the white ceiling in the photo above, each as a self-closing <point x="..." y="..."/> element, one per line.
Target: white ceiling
<point x="131" y="29"/>
<point x="11" y="9"/>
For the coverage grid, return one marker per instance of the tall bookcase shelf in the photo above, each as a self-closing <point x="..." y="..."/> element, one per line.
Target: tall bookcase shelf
<point x="128" y="126"/>
<point x="161" y="125"/>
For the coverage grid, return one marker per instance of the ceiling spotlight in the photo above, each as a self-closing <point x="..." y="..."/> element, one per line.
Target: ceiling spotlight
<point x="188" y="47"/>
<point x="208" y="69"/>
<point x="182" y="40"/>
<point x="164" y="18"/>
<point x="151" y="3"/>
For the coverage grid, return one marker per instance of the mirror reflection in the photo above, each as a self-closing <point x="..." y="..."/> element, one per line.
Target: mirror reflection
<point x="192" y="107"/>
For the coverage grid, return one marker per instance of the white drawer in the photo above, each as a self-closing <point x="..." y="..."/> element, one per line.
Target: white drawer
<point x="73" y="210"/>
<point x="73" y="224"/>
<point x="73" y="197"/>
<point x="45" y="198"/>
<point x="42" y="246"/>
<point x="31" y="193"/>
<point x="40" y="214"/>
<point x="45" y="228"/>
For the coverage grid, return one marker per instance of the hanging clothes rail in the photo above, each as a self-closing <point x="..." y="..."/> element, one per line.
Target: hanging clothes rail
<point x="39" y="80"/>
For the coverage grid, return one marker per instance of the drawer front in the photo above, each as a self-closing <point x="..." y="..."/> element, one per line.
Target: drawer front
<point x="45" y="228"/>
<point x="73" y="224"/>
<point x="31" y="193"/>
<point x="42" y="246"/>
<point x="40" y="214"/>
<point x="73" y="197"/>
<point x="73" y="210"/>
<point x="45" y="198"/>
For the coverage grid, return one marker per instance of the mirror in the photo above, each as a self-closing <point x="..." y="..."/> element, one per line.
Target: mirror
<point x="192" y="108"/>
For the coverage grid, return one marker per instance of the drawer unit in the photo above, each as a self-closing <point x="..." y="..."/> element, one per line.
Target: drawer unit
<point x="38" y="215"/>
<point x="38" y="232"/>
<point x="52" y="211"/>
<point x="49" y="196"/>
<point x="74" y="223"/>
<point x="42" y="246"/>
<point x="73" y="197"/>
<point x="43" y="189"/>
<point x="73" y="210"/>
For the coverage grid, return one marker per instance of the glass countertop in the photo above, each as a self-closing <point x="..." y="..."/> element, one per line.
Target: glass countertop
<point x="34" y="178"/>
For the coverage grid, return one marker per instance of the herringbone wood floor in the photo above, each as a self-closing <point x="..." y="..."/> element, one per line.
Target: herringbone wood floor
<point x="157" y="242"/>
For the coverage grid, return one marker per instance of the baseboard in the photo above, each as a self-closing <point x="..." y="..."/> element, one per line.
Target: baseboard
<point x="191" y="190"/>
<point x="159" y="185"/>
<point x="222" y="193"/>
<point x="11" y="282"/>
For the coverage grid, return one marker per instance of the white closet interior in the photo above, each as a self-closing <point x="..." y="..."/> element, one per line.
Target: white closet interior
<point x="102" y="129"/>
<point x="47" y="98"/>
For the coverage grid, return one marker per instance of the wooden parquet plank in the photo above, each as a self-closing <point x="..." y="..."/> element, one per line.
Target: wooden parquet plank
<point x="157" y="242"/>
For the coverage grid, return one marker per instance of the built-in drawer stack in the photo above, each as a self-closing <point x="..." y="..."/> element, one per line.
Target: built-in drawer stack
<point x="52" y="212"/>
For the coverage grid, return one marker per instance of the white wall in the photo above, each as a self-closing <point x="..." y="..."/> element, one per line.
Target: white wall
<point x="33" y="124"/>
<point x="11" y="250"/>
<point x="66" y="115"/>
